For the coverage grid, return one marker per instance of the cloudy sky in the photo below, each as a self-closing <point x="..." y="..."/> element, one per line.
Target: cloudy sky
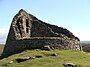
<point x="71" y="14"/>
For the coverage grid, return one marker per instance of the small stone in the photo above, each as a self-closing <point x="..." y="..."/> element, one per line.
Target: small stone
<point x="46" y="47"/>
<point x="27" y="57"/>
<point x="10" y="62"/>
<point x="32" y="57"/>
<point x="54" y="54"/>
<point x="69" y="65"/>
<point x="22" y="59"/>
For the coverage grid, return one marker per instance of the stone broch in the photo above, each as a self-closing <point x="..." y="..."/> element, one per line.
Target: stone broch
<point x="28" y="32"/>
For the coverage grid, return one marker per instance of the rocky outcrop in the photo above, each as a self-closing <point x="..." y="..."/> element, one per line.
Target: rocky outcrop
<point x="28" y="32"/>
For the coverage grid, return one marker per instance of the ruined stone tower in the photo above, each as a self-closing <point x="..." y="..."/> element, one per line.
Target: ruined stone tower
<point x="28" y="32"/>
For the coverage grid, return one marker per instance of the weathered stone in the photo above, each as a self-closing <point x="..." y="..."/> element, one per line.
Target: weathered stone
<point x="70" y="65"/>
<point x="22" y="59"/>
<point x="28" y="32"/>
<point x="11" y="62"/>
<point x="54" y="54"/>
<point x="46" y="47"/>
<point x="32" y="57"/>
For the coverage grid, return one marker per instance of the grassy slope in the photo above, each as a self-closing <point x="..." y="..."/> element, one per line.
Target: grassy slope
<point x="64" y="56"/>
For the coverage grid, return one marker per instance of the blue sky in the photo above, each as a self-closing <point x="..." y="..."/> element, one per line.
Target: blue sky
<point x="71" y="14"/>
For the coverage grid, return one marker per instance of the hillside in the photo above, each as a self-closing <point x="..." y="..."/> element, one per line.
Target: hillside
<point x="45" y="59"/>
<point x="86" y="42"/>
<point x="1" y="48"/>
<point x="86" y="47"/>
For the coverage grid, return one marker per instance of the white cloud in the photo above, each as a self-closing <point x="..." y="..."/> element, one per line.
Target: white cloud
<point x="3" y="34"/>
<point x="3" y="31"/>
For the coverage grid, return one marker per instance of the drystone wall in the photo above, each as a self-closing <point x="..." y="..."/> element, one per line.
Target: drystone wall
<point x="27" y="32"/>
<point x="39" y="42"/>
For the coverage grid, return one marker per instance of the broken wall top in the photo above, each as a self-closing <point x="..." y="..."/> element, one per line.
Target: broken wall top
<point x="25" y="25"/>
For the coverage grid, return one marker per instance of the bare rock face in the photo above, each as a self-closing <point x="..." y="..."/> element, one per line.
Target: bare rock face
<point x="28" y="32"/>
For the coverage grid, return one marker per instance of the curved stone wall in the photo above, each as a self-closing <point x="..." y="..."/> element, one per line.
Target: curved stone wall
<point x="39" y="42"/>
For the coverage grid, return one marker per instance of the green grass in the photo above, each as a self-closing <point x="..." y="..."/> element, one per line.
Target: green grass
<point x="64" y="56"/>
